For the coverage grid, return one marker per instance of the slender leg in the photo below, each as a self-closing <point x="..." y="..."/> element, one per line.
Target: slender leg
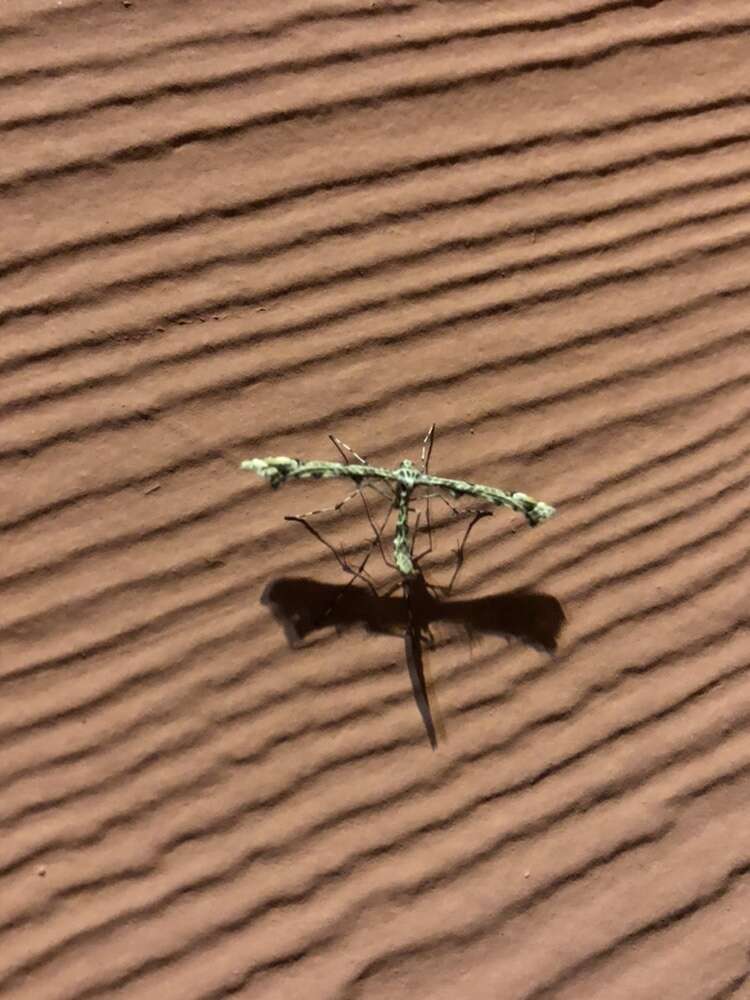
<point x="393" y="587"/>
<point x="340" y="445"/>
<point x="354" y="572"/>
<point x="361" y="568"/>
<point x="351" y="570"/>
<point x="335" y="507"/>
<point x="360" y="573"/>
<point x="454" y="510"/>
<point x="425" y="463"/>
<point x="414" y="533"/>
<point x="427" y="448"/>
<point x="377" y="540"/>
<point x="478" y="515"/>
<point x="416" y="557"/>
<point x="457" y="511"/>
<point x="446" y="501"/>
<point x="378" y="532"/>
<point x="427" y="498"/>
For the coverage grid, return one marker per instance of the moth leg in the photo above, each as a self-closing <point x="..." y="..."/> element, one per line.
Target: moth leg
<point x="429" y="439"/>
<point x="342" y="447"/>
<point x="378" y="531"/>
<point x="416" y="557"/>
<point x="457" y="511"/>
<point x="346" y="567"/>
<point x="425" y="463"/>
<point x="335" y="507"/>
<point x="446" y="501"/>
<point x="429" y="637"/>
<point x="478" y="515"/>
<point x="354" y="572"/>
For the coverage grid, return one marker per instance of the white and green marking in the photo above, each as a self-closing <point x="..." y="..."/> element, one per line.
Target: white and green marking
<point x="402" y="481"/>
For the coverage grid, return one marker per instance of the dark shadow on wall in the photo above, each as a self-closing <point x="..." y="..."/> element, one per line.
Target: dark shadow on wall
<point x="303" y="606"/>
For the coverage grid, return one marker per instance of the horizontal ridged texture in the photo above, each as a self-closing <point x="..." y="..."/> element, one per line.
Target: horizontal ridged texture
<point x="230" y="230"/>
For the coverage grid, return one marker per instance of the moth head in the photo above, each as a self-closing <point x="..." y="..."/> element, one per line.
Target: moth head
<point x="407" y="473"/>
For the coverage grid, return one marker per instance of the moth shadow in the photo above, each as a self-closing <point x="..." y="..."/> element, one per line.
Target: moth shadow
<point x="303" y="606"/>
